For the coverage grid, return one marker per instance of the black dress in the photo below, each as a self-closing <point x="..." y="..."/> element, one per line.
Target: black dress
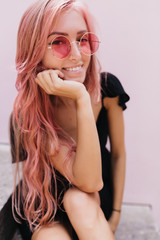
<point x="110" y="87"/>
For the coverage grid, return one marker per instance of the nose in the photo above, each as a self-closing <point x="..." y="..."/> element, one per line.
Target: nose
<point x="75" y="53"/>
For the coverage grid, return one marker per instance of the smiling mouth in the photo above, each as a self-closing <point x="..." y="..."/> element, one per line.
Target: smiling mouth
<point x="73" y="69"/>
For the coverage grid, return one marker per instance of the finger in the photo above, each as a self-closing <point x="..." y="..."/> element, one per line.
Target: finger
<point x="59" y="74"/>
<point x="47" y="80"/>
<point x="44" y="81"/>
<point x="56" y="73"/>
<point x="56" y="80"/>
<point x="50" y="81"/>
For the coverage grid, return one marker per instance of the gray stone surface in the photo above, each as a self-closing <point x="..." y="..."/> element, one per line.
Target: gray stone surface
<point x="137" y="223"/>
<point x="136" y="220"/>
<point x="6" y="174"/>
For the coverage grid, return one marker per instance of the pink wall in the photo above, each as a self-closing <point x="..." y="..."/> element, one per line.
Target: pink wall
<point x="129" y="31"/>
<point x="131" y="50"/>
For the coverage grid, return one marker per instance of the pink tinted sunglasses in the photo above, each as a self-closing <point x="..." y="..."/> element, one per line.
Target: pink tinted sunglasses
<point x="61" y="45"/>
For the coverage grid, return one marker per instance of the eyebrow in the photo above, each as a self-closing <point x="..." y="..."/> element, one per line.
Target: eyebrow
<point x="65" y="34"/>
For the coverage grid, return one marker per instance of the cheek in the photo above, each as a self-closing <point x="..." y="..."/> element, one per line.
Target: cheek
<point x="45" y="60"/>
<point x="87" y="61"/>
<point x="49" y="61"/>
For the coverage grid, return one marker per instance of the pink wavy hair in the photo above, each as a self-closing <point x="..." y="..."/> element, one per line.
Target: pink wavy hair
<point x="34" y="118"/>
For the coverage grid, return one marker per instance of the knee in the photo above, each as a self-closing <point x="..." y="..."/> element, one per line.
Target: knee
<point x="76" y="198"/>
<point x="53" y="231"/>
<point x="82" y="206"/>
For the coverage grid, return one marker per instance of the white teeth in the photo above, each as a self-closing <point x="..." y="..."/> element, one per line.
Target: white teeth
<point x="74" y="69"/>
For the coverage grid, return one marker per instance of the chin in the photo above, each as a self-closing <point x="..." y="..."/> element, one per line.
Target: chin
<point x="75" y="77"/>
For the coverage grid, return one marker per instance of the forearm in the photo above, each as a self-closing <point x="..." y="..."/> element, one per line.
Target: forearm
<point x="87" y="164"/>
<point x="118" y="174"/>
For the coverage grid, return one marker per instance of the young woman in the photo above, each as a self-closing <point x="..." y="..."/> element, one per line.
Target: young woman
<point x="64" y="111"/>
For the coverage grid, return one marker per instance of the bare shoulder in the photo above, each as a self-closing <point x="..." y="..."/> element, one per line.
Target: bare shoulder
<point x="109" y="102"/>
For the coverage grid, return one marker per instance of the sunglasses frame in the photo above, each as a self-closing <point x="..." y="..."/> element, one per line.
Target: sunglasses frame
<point x="79" y="42"/>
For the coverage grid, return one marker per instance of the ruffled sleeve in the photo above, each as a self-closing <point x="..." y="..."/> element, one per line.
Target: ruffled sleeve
<point x="111" y="87"/>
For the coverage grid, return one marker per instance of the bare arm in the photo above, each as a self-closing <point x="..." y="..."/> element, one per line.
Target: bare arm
<point x="87" y="163"/>
<point x="118" y="155"/>
<point x="84" y="169"/>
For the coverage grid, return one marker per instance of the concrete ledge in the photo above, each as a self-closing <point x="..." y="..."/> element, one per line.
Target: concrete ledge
<point x="6" y="173"/>
<point x="137" y="223"/>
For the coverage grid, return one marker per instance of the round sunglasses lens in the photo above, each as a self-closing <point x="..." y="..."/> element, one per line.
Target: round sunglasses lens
<point x="61" y="47"/>
<point x="89" y="43"/>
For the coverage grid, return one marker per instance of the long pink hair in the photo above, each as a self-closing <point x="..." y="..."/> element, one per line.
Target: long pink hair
<point x="34" y="117"/>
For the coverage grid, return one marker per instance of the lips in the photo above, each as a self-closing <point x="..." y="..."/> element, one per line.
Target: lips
<point x="73" y="69"/>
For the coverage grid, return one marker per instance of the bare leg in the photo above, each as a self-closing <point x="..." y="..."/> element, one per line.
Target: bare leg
<point x="86" y="216"/>
<point x="52" y="232"/>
